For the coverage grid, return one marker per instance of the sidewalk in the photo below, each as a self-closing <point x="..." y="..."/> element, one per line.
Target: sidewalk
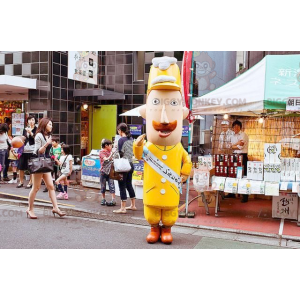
<point x="254" y="217"/>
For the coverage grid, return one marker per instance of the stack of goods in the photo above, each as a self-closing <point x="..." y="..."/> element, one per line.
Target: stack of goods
<point x="255" y="170"/>
<point x="290" y="169"/>
<point x="226" y="165"/>
<point x="272" y="162"/>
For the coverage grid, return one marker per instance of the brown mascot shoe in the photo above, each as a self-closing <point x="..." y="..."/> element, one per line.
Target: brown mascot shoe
<point x="154" y="235"/>
<point x="166" y="236"/>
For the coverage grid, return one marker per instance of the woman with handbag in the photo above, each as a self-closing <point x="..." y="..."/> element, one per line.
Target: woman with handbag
<point x="43" y="144"/>
<point x="125" y="144"/>
<point x="4" y="145"/>
<point x="29" y="133"/>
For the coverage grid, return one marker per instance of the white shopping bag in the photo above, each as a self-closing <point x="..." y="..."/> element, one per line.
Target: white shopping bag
<point x="122" y="165"/>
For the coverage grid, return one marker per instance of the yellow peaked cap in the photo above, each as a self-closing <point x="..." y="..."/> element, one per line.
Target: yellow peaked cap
<point x="165" y="75"/>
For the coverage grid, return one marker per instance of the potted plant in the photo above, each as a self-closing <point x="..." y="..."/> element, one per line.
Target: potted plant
<point x="27" y="175"/>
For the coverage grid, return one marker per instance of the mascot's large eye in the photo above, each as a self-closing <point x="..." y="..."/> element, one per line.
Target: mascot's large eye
<point x="155" y="101"/>
<point x="205" y="65"/>
<point x="174" y="102"/>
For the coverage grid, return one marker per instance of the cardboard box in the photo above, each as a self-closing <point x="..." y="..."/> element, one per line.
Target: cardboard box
<point x="210" y="198"/>
<point x="285" y="206"/>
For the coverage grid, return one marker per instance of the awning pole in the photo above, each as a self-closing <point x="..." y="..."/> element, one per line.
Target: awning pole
<point x="190" y="138"/>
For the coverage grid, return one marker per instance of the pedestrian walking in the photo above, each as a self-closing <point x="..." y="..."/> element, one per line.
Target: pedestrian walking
<point x="43" y="143"/>
<point x="29" y="133"/>
<point x="125" y="144"/>
<point x="106" y="160"/>
<point x="4" y="146"/>
<point x="7" y="121"/>
<point x="65" y="163"/>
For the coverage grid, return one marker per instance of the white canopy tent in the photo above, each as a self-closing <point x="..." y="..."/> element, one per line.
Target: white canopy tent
<point x="265" y="86"/>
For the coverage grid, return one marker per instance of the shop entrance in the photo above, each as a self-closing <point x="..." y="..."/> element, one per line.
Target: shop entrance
<point x="97" y="122"/>
<point x="12" y="113"/>
<point x="103" y="124"/>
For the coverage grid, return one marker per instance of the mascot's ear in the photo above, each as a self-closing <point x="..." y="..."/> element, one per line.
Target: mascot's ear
<point x="185" y="112"/>
<point x="142" y="111"/>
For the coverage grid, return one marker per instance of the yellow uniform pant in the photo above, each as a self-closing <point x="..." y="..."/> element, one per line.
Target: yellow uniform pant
<point x="153" y="215"/>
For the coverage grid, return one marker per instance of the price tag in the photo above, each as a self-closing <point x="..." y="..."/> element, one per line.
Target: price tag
<point x="283" y="186"/>
<point x="295" y="188"/>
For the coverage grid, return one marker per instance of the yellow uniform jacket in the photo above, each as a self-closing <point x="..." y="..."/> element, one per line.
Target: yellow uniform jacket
<point x="157" y="191"/>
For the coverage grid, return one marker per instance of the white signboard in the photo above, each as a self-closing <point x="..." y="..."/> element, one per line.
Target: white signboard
<point x="293" y="104"/>
<point x="83" y="66"/>
<point x="17" y="125"/>
<point x="201" y="180"/>
<point x="285" y="206"/>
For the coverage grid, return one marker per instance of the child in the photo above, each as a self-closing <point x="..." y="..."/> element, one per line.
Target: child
<point x="13" y="158"/>
<point x="65" y="170"/>
<point x="106" y="161"/>
<point x="55" y="152"/>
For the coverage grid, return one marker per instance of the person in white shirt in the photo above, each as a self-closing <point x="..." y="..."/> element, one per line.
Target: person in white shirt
<point x="239" y="140"/>
<point x="65" y="169"/>
<point x="239" y="145"/>
<point x="225" y="137"/>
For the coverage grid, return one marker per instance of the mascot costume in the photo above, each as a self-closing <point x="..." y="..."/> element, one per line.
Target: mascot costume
<point x="167" y="164"/>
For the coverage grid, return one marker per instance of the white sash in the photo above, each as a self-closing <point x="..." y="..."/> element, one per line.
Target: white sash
<point x="161" y="168"/>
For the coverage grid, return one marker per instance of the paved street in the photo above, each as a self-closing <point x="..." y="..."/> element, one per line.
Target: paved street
<point x="47" y="232"/>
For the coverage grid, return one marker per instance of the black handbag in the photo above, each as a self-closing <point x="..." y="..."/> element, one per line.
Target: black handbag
<point x="40" y="164"/>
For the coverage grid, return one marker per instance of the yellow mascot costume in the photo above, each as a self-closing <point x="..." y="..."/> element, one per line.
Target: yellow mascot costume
<point x="167" y="164"/>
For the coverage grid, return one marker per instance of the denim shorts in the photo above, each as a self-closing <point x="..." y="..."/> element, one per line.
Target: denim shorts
<point x="14" y="162"/>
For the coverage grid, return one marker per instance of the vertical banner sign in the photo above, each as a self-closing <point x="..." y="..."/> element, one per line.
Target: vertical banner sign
<point x="83" y="66"/>
<point x="186" y="77"/>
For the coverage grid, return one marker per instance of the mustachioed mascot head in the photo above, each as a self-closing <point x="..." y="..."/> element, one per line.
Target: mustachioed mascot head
<point x="164" y="110"/>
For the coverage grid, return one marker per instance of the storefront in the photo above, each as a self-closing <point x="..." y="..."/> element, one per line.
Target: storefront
<point x="14" y="98"/>
<point x="263" y="99"/>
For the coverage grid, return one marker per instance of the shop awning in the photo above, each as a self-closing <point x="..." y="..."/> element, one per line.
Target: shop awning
<point x="101" y="94"/>
<point x="266" y="86"/>
<point x="15" y="88"/>
<point x="132" y="113"/>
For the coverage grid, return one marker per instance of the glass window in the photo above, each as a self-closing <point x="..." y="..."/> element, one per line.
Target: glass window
<point x="64" y="71"/>
<point x="56" y="81"/>
<point x="56" y="57"/>
<point x="56" y="69"/>
<point x="64" y="59"/>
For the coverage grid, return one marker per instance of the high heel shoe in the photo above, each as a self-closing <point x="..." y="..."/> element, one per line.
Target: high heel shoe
<point x="29" y="214"/>
<point x="60" y="213"/>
